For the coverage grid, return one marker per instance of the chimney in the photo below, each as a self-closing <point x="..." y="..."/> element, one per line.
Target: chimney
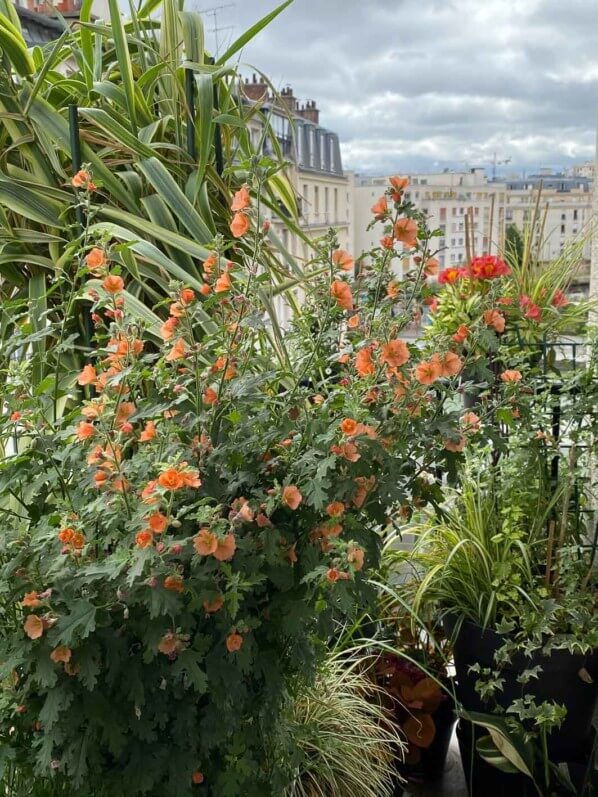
<point x="255" y="90"/>
<point x="310" y="112"/>
<point x="288" y="99"/>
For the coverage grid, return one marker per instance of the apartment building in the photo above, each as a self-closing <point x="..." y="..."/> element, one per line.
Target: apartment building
<point x="315" y="170"/>
<point x="565" y="203"/>
<point x="447" y="198"/>
<point x="40" y="24"/>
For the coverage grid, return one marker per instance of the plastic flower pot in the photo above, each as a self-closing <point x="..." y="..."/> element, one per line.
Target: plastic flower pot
<point x="559" y="681"/>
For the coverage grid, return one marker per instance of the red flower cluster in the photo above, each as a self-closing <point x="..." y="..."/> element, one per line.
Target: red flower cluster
<point x="488" y="267"/>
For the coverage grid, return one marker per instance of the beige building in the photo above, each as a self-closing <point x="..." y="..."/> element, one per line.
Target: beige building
<point x="565" y="203"/>
<point x="315" y="170"/>
<point x="446" y="197"/>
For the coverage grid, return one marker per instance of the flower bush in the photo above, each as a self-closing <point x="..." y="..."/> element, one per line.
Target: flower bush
<point x="179" y="544"/>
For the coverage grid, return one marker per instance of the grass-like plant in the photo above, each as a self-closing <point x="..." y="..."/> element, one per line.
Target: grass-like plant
<point x="348" y="741"/>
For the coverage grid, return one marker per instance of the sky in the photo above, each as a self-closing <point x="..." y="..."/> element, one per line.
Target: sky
<point x="423" y="85"/>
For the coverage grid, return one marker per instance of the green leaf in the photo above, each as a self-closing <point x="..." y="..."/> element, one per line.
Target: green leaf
<point x="78" y="624"/>
<point x="187" y="663"/>
<point x="15" y="47"/>
<point x="124" y="60"/>
<point x="513" y="747"/>
<point x="28" y="203"/>
<point x="492" y="755"/>
<point x="57" y="700"/>
<point x="116" y="131"/>
<point x="249" y="34"/>
<point x="161" y="179"/>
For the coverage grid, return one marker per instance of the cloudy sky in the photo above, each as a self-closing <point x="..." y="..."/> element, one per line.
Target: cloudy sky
<point x="428" y="84"/>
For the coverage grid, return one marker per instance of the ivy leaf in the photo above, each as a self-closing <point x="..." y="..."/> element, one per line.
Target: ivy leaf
<point x="80" y="622"/>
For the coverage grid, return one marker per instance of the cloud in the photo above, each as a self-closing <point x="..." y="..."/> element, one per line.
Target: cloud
<point x="415" y="84"/>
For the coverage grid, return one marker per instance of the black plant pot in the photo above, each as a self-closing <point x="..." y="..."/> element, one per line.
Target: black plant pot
<point x="559" y="681"/>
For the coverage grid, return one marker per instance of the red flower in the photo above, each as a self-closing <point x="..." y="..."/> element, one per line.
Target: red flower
<point x="559" y="299"/>
<point x="450" y="275"/>
<point x="488" y="267"/>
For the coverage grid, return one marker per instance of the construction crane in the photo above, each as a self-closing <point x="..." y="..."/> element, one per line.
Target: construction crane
<point x="496" y="162"/>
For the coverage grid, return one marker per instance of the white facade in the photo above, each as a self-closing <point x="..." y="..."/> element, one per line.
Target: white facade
<point x="447" y="198"/>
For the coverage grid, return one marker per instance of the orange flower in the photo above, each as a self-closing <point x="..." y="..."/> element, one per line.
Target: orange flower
<point x="347" y="451"/>
<point x="206" y="542"/>
<point x="223" y="283"/>
<point x="177" y="352"/>
<point x="210" y="607"/>
<point x="66" y="535"/>
<point x="113" y="284"/>
<point x="364" y="486"/>
<point x="353" y="322"/>
<point x="380" y="208"/>
<point x="31" y="600"/>
<point x="85" y="430"/>
<point x="511" y="376"/>
<point x="399" y="183"/>
<point x="292" y="554"/>
<point x="234" y="642"/>
<point x="197" y="778"/>
<point x="148" y="494"/>
<point x="205" y="289"/>
<point x="171" y="479"/>
<point x="431" y="267"/>
<point x="342" y="293"/>
<point x="157" y="522"/>
<point x="355" y="556"/>
<point x="187" y="296"/>
<point x="168" y="327"/>
<point x="78" y="540"/>
<point x="392" y="289"/>
<point x="387" y="242"/>
<point x="87" y="376"/>
<point x="343" y="259"/>
<point x="226" y="548"/>
<point x="210" y="264"/>
<point x="450" y="364"/>
<point x="34" y="626"/>
<point x="177" y="310"/>
<point x="406" y="232"/>
<point x="149" y="432"/>
<point x="239" y="225"/>
<point x="210" y="396"/>
<point x="471" y="422"/>
<point x="291" y="497"/>
<point x="349" y="426"/>
<point x="241" y="200"/>
<point x="494" y="318"/>
<point x="455" y="446"/>
<point x="461" y="334"/>
<point x="427" y="372"/>
<point x="333" y="575"/>
<point x="364" y="365"/>
<point x="395" y="353"/>
<point x="96" y="260"/>
<point x="169" y="644"/>
<point x="174" y="583"/>
<point x="335" y="509"/>
<point x="61" y="654"/>
<point x="124" y="412"/>
<point x="83" y="180"/>
<point x="191" y="477"/>
<point x="143" y="539"/>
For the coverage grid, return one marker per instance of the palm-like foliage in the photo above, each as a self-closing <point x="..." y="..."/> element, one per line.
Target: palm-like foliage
<point x="161" y="198"/>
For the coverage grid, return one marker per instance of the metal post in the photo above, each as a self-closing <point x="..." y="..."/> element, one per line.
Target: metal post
<point x="190" y="94"/>
<point x="217" y="135"/>
<point x="76" y="165"/>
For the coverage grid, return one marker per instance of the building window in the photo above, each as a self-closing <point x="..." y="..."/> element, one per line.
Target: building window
<point x="316" y="200"/>
<point x="336" y="204"/>
<point x="562" y="229"/>
<point x="575" y="215"/>
<point x="442" y="214"/>
<point x="326" y="200"/>
<point x="563" y="217"/>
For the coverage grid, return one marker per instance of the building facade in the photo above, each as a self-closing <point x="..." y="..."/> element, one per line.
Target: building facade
<point x="315" y="170"/>
<point x="447" y="198"/>
<point x="565" y="203"/>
